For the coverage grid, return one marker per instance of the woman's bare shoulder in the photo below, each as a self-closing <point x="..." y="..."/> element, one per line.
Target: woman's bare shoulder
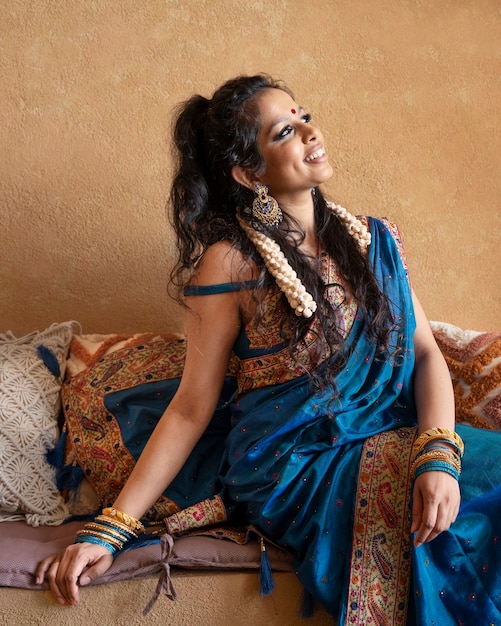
<point x="222" y="263"/>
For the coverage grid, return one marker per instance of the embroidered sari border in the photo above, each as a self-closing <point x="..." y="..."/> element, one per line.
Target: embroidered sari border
<point x="380" y="568"/>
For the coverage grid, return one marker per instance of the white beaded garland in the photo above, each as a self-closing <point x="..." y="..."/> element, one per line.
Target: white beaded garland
<point x="278" y="266"/>
<point x="354" y="226"/>
<point x="286" y="278"/>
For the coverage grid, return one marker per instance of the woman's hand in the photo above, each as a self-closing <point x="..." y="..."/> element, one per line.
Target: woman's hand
<point x="65" y="570"/>
<point x="435" y="505"/>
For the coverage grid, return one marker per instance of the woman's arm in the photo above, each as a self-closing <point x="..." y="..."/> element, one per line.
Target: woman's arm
<point x="433" y="388"/>
<point x="436" y="495"/>
<point x="212" y="325"/>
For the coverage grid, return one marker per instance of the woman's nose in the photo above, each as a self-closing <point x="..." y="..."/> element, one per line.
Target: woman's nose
<point x="310" y="133"/>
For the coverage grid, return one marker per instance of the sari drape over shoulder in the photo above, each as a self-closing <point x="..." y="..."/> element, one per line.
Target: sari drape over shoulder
<point x="294" y="455"/>
<point x="326" y="475"/>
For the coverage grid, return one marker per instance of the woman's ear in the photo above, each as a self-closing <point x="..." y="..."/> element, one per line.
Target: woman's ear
<point x="244" y="177"/>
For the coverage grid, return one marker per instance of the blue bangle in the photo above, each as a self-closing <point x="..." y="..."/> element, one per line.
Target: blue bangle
<point x="97" y="541"/>
<point x="436" y="446"/>
<point x="439" y="466"/>
<point x="451" y="442"/>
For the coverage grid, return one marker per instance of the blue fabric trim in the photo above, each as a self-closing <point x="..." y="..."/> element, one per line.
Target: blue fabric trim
<point x="208" y="290"/>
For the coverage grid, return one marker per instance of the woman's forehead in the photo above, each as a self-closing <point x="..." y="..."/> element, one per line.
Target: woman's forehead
<point x="275" y="106"/>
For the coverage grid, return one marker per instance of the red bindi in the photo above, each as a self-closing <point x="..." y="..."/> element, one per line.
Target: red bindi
<point x="293" y="111"/>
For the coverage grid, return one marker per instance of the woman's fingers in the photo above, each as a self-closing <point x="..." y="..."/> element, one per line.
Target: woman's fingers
<point x="95" y="571"/>
<point x="43" y="567"/>
<point x="435" y="505"/>
<point x="64" y="588"/>
<point x="435" y="520"/>
<point x="76" y="564"/>
<point x="51" y="569"/>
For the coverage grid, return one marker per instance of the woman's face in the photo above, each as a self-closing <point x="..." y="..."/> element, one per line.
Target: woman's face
<point x="292" y="148"/>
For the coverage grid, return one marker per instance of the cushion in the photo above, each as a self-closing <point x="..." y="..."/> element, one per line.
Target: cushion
<point x="474" y="361"/>
<point x="23" y="547"/>
<point x="87" y="350"/>
<point x="112" y="406"/>
<point x="31" y="369"/>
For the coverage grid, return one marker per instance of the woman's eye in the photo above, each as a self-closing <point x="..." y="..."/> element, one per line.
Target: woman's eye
<point x="287" y="130"/>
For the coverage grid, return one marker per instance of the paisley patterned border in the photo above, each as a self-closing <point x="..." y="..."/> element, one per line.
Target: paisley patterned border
<point x="95" y="437"/>
<point x="381" y="554"/>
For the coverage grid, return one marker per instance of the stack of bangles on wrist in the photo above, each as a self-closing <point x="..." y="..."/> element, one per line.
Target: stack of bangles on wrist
<point x="112" y="530"/>
<point x="437" y="449"/>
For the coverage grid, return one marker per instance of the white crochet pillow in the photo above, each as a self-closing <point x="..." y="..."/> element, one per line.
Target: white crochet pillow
<point x="29" y="411"/>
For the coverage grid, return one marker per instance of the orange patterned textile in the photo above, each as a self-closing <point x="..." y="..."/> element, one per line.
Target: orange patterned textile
<point x="474" y="360"/>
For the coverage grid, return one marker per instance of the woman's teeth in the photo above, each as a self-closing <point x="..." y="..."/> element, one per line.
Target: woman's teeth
<point x="315" y="155"/>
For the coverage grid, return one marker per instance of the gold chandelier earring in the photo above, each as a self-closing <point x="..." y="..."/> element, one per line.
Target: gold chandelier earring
<point x="265" y="208"/>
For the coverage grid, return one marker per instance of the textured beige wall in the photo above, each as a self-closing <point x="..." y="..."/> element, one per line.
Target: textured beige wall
<point x="407" y="93"/>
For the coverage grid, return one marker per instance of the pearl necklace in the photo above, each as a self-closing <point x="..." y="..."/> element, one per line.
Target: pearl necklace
<point x="278" y="266"/>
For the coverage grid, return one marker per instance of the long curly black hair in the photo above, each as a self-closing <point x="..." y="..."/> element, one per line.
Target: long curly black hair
<point x="210" y="138"/>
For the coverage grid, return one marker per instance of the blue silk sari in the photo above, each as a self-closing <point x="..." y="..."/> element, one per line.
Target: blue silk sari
<point x="294" y="455"/>
<point x="457" y="576"/>
<point x="329" y="479"/>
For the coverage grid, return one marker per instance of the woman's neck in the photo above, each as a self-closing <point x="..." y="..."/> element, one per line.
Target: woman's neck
<point x="304" y="215"/>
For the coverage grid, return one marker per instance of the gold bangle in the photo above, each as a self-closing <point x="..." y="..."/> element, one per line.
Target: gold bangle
<point x="433" y="448"/>
<point x="115" y="532"/>
<point x="434" y="434"/>
<point x="116" y="523"/>
<point x="436" y="455"/>
<point x="125" y="518"/>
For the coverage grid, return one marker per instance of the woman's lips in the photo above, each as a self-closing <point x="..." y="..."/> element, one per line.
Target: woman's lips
<point x="315" y="156"/>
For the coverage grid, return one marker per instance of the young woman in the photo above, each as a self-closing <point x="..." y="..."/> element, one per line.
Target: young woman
<point x="344" y="412"/>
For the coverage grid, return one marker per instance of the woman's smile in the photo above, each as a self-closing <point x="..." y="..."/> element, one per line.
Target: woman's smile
<point x="292" y="147"/>
<point x="318" y="156"/>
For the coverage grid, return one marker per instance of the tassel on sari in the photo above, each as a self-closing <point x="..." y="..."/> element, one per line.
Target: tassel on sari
<point x="265" y="572"/>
